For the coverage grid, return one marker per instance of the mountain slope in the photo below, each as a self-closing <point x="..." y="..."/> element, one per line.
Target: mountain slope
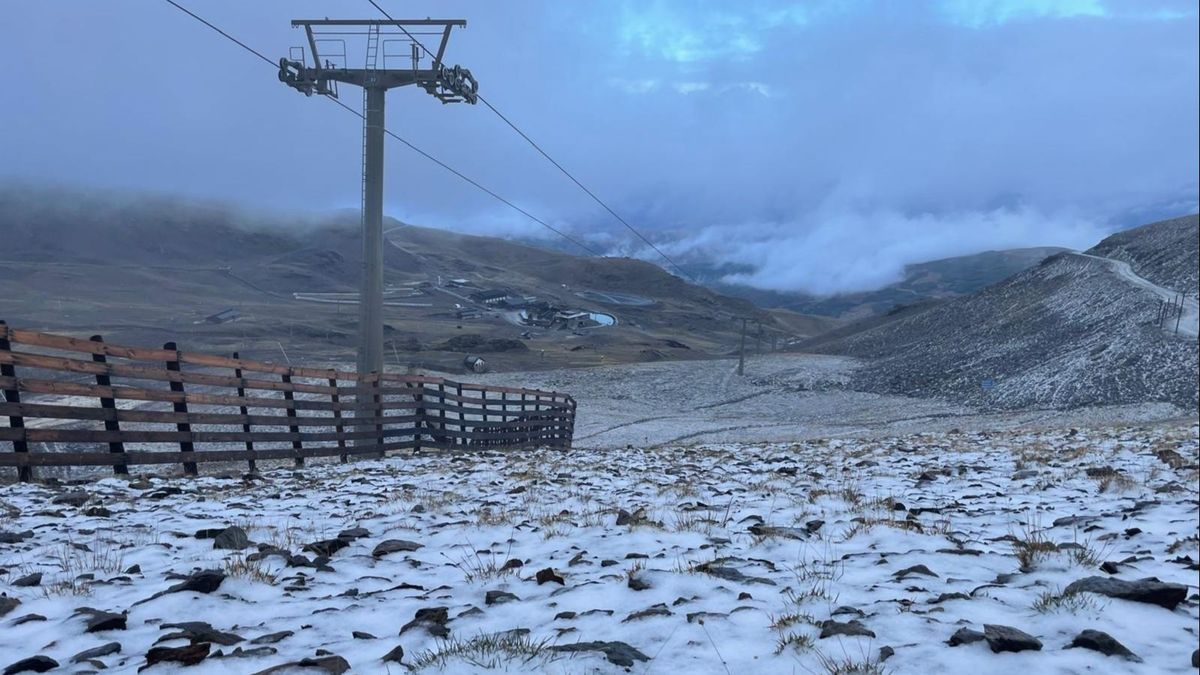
<point x="932" y="280"/>
<point x="1070" y="332"/>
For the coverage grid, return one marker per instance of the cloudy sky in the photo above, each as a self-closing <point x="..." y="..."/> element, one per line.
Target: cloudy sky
<point x="822" y="144"/>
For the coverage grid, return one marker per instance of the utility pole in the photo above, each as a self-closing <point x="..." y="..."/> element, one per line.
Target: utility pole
<point x="329" y="66"/>
<point x="742" y="352"/>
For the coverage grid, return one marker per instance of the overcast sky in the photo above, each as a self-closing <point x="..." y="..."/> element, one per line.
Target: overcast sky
<point x="823" y="143"/>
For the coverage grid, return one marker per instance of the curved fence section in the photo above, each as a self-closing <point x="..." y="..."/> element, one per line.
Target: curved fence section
<point x="76" y="402"/>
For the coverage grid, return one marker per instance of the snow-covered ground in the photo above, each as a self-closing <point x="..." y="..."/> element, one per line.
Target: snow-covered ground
<point x="715" y="558"/>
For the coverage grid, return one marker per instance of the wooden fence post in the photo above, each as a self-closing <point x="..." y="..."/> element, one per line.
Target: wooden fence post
<point x="462" y="416"/>
<point x="181" y="406"/>
<point x="103" y="380"/>
<point x="337" y="418"/>
<point x="252" y="465"/>
<point x="442" y="399"/>
<point x="291" y="413"/>
<point x="13" y="395"/>
<point x="419" y="413"/>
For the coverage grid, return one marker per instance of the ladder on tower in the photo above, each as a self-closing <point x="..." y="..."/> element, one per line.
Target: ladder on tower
<point x="370" y="67"/>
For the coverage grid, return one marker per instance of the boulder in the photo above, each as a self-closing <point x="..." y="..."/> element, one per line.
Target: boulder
<point x="1009" y="639"/>
<point x="1099" y="641"/>
<point x="1149" y="590"/>
<point x="618" y="653"/>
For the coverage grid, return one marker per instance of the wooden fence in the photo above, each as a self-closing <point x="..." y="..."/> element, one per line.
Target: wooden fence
<point x="190" y="407"/>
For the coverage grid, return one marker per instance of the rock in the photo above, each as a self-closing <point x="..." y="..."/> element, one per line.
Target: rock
<point x="15" y="537"/>
<point x="354" y="533"/>
<point x="1102" y="642"/>
<point x="394" y="546"/>
<point x="851" y="628"/>
<point x="1196" y="659"/>
<point x="97" y="652"/>
<point x="326" y="547"/>
<point x="499" y="597"/>
<point x="77" y="498"/>
<point x="1027" y="473"/>
<point x="814" y="525"/>
<point x="28" y="618"/>
<point x="1110" y="567"/>
<point x="204" y="581"/>
<point x="332" y="664"/>
<point x="949" y="596"/>
<point x="548" y="575"/>
<point x="655" y="610"/>
<point x="251" y="653"/>
<point x="272" y="638"/>
<point x="964" y="636"/>
<point x="100" y="620"/>
<point x="396" y="655"/>
<point x="29" y="580"/>
<point x="565" y="615"/>
<point x="914" y="570"/>
<point x="847" y="609"/>
<point x="885" y="653"/>
<point x="1148" y="590"/>
<point x="199" y="631"/>
<point x="637" y="583"/>
<point x="133" y="569"/>
<point x="1009" y="639"/>
<point x="7" y="604"/>
<point x="33" y="664"/>
<point x="97" y="512"/>
<point x="732" y="574"/>
<point x="766" y="531"/>
<point x="432" y="619"/>
<point x="362" y="635"/>
<point x="618" y="653"/>
<point x="231" y="539"/>
<point x="189" y="655"/>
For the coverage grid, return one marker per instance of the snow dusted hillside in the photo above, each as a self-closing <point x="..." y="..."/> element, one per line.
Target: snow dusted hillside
<point x="1166" y="252"/>
<point x="988" y="552"/>
<point x="1076" y="330"/>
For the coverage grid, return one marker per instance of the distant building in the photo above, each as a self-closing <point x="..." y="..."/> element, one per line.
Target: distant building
<point x="224" y="316"/>
<point x="490" y="297"/>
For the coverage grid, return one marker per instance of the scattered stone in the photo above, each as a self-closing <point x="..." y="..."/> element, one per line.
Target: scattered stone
<point x="28" y="618"/>
<point x="78" y="498"/>
<point x="97" y="512"/>
<point x="362" y="635"/>
<point x="204" y="581"/>
<point x="394" y="546"/>
<point x="564" y="615"/>
<point x="885" y="653"/>
<point x="15" y="537"/>
<point x="949" y="596"/>
<point x="272" y="638"/>
<point x="432" y="619"/>
<point x="327" y="547"/>
<point x="847" y="609"/>
<point x="29" y="580"/>
<point x="637" y="583"/>
<point x="1196" y="659"/>
<point x="964" y="636"/>
<point x="396" y="655"/>
<point x="767" y="531"/>
<point x="1149" y="590"/>
<point x="354" y="533"/>
<point x="33" y="664"/>
<point x="7" y="604"/>
<point x="1009" y="639"/>
<point x="332" y="664"/>
<point x="189" y="655"/>
<point x="133" y="569"/>
<point x="618" y="653"/>
<point x="231" y="539"/>
<point x="732" y="574"/>
<point x="199" y="631"/>
<point x="1102" y="642"/>
<point x="97" y="652"/>
<point x="1110" y="567"/>
<point x="548" y="575"/>
<point x="1027" y="473"/>
<point x="499" y="597"/>
<point x="851" y="628"/>
<point x="99" y="620"/>
<point x="913" y="571"/>
<point x="655" y="610"/>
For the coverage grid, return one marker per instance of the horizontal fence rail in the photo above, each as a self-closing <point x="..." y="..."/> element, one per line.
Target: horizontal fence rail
<point x="75" y="402"/>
